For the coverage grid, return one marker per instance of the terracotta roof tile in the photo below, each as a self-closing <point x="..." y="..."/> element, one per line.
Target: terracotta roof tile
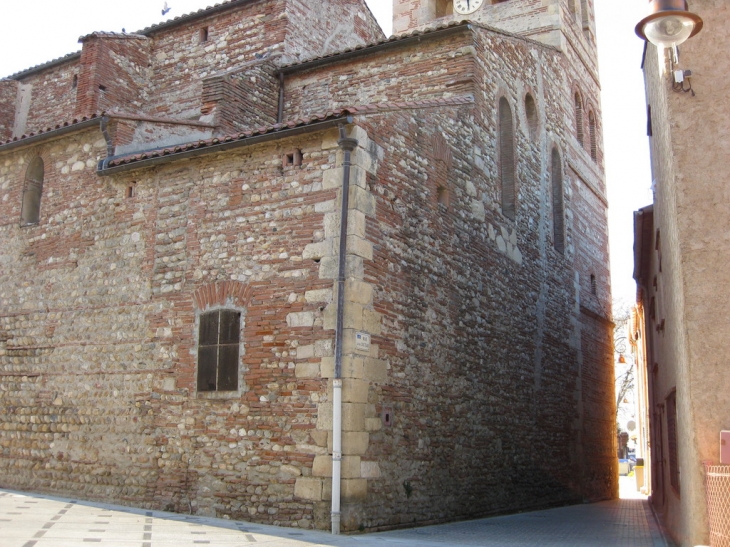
<point x="52" y="62"/>
<point x="191" y="15"/>
<point x="102" y="34"/>
<point x="62" y="125"/>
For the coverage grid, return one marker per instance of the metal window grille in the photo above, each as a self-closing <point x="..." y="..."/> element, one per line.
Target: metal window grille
<point x="717" y="485"/>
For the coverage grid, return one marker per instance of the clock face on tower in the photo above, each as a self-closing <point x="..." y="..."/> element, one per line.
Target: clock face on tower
<point x="467" y="6"/>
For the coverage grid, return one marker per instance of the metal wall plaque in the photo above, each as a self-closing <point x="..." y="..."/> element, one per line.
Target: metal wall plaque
<point x="362" y="341"/>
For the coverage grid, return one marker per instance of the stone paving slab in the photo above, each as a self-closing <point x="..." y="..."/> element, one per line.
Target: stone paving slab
<point x="32" y="520"/>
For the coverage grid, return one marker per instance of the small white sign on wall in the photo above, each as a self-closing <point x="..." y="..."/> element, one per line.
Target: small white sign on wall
<point x="362" y="341"/>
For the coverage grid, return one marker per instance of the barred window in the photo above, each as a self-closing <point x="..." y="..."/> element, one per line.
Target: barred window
<point x="218" y="350"/>
<point x="32" y="190"/>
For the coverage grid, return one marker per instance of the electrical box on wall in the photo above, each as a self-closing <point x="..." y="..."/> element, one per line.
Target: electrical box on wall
<point x="725" y="447"/>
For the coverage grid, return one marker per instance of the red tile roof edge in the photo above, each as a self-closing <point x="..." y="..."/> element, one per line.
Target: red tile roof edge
<point x="62" y="125"/>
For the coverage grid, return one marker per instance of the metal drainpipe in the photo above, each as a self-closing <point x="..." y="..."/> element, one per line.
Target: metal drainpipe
<point x="347" y="145"/>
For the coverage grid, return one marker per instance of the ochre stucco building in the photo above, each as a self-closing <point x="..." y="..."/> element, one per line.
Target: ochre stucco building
<point x="681" y="257"/>
<point x="178" y="330"/>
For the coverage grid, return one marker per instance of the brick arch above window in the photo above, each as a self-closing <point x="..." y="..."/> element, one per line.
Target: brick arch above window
<point x="223" y="293"/>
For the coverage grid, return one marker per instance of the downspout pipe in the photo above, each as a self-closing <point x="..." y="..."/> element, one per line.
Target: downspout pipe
<point x="347" y="145"/>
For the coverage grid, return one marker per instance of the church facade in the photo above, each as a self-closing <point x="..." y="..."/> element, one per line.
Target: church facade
<point x="265" y="263"/>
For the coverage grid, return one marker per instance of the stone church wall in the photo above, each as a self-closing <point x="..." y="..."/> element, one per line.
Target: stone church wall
<point x="98" y="367"/>
<point x="483" y="380"/>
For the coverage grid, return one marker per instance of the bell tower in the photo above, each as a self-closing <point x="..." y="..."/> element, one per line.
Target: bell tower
<point x="547" y="21"/>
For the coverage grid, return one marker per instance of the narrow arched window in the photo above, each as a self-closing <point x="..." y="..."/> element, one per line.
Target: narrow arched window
<point x="32" y="190"/>
<point x="592" y="135"/>
<point x="507" y="158"/>
<point x="218" y="350"/>
<point x="579" y="118"/>
<point x="556" y="180"/>
<point x="531" y="115"/>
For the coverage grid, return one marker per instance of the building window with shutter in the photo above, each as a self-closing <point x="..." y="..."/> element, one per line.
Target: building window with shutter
<point x="218" y="350"/>
<point x="32" y="190"/>
<point x="507" y="159"/>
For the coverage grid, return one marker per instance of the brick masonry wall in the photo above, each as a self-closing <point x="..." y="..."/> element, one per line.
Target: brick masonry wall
<point x="474" y="431"/>
<point x="443" y="282"/>
<point x="439" y="70"/>
<point x="98" y="364"/>
<point x="140" y="74"/>
<point x="233" y="39"/>
<point x="50" y="92"/>
<point x="238" y="37"/>
<point x="8" y="97"/>
<point x="242" y="100"/>
<point x="113" y="72"/>
<point x="480" y="356"/>
<point x="335" y="25"/>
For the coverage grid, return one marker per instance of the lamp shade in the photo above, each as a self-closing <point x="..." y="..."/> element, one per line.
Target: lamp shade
<point x="669" y="23"/>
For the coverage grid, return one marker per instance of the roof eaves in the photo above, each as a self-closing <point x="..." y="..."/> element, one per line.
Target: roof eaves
<point x="129" y="162"/>
<point x="367" y="49"/>
<point x="204" y="12"/>
<point x="37" y="68"/>
<point x="51" y="133"/>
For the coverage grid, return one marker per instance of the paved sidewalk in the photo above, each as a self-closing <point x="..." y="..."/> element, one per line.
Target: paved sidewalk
<point x="31" y="520"/>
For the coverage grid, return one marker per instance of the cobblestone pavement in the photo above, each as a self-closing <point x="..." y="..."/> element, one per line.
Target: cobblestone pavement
<point x="30" y="520"/>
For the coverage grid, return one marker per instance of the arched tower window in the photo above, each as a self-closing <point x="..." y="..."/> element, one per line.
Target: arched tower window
<point x="507" y="158"/>
<point x="579" y="118"/>
<point x="556" y="180"/>
<point x="531" y="115"/>
<point x="32" y="190"/>
<point x="592" y="135"/>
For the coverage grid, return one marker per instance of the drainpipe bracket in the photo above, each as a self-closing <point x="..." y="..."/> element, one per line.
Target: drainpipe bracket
<point x="347" y="144"/>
